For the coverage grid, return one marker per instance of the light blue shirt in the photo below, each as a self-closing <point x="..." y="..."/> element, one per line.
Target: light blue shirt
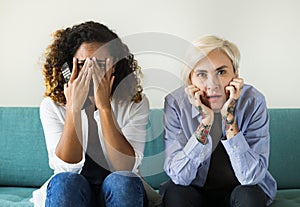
<point x="187" y="160"/>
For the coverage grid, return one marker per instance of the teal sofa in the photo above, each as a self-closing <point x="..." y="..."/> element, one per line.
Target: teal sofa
<point x="24" y="162"/>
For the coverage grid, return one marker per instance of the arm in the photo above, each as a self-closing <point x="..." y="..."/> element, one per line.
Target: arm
<point x="183" y="155"/>
<point x="52" y="118"/>
<point x="130" y="121"/>
<point x="69" y="147"/>
<point x="122" y="145"/>
<point x="120" y="152"/>
<point x="248" y="150"/>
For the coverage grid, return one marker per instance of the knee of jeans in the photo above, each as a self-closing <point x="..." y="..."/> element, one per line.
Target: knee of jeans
<point x="246" y="194"/>
<point x="122" y="181"/>
<point x="68" y="182"/>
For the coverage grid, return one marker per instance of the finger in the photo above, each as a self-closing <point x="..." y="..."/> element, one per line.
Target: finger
<point x="112" y="82"/>
<point x="74" y="70"/>
<point x="190" y="91"/>
<point x="240" y="80"/>
<point x="98" y="68"/>
<point x="96" y="79"/>
<point x="83" y="73"/>
<point x="197" y="96"/>
<point x="237" y="83"/>
<point x="109" y="68"/>
<point x="65" y="88"/>
<point x="231" y="90"/>
<point x="88" y="79"/>
<point x="193" y="89"/>
<point x="198" y="101"/>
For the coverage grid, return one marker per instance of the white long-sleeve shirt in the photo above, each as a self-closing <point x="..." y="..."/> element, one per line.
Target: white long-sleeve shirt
<point x="131" y="118"/>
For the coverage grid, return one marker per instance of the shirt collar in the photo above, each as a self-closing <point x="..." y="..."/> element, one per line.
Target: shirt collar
<point x="195" y="112"/>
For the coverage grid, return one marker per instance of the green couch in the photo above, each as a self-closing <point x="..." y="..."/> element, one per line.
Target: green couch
<point x="24" y="162"/>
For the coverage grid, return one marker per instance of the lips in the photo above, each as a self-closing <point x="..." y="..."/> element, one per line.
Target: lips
<point x="213" y="98"/>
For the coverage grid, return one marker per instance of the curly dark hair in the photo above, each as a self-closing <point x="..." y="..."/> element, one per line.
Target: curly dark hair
<point x="64" y="46"/>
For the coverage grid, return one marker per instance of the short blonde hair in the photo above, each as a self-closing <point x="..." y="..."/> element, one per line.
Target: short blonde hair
<point x="203" y="46"/>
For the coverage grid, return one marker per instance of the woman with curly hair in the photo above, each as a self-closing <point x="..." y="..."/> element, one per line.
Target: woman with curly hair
<point x="95" y="122"/>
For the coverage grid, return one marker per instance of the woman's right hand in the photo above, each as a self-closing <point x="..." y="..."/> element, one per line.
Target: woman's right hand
<point x="194" y="95"/>
<point x="77" y="89"/>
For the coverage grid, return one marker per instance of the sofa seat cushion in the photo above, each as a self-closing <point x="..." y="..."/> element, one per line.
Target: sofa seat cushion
<point x="15" y="196"/>
<point x="287" y="198"/>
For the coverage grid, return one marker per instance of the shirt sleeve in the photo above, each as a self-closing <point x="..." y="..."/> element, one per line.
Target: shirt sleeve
<point x="249" y="149"/>
<point x="134" y="129"/>
<point x="53" y="123"/>
<point x="183" y="155"/>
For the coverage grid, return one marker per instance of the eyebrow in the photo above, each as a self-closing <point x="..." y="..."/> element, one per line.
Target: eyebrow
<point x="222" y="67"/>
<point x="217" y="69"/>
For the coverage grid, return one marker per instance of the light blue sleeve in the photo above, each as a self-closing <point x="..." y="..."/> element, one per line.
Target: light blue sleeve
<point x="249" y="149"/>
<point x="183" y="155"/>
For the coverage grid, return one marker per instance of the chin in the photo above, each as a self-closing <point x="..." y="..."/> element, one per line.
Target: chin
<point x="216" y="107"/>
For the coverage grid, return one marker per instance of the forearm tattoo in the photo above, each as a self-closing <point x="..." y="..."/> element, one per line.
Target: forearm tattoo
<point x="230" y="123"/>
<point x="199" y="108"/>
<point x="231" y="107"/>
<point x="202" y="133"/>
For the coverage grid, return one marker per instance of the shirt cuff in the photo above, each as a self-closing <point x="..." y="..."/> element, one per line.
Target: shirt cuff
<point x="195" y="150"/>
<point x="138" y="160"/>
<point x="236" y="145"/>
<point x="62" y="166"/>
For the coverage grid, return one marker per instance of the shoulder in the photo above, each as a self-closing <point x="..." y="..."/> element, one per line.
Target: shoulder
<point x="177" y="96"/>
<point x="251" y="100"/>
<point x="251" y="95"/>
<point x="49" y="108"/>
<point x="46" y="104"/>
<point x="177" y="103"/>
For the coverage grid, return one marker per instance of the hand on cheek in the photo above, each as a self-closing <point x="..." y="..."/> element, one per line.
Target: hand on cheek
<point x="234" y="90"/>
<point x="194" y="95"/>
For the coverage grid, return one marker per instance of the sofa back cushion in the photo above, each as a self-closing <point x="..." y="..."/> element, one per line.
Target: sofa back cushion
<point x="24" y="161"/>
<point x="23" y="155"/>
<point x="284" y="162"/>
<point x="152" y="164"/>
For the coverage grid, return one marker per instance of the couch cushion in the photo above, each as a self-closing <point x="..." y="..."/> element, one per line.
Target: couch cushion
<point x="23" y="154"/>
<point x="284" y="147"/>
<point x="15" y="197"/>
<point x="287" y="198"/>
<point x="152" y="164"/>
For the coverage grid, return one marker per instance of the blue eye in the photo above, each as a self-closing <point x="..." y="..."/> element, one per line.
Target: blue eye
<point x="202" y="75"/>
<point x="221" y="72"/>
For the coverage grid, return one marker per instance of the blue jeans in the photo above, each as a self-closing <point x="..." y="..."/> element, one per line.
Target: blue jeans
<point x="118" y="189"/>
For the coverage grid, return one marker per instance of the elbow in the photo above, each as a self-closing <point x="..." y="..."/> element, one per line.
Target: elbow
<point x="179" y="178"/>
<point x="253" y="177"/>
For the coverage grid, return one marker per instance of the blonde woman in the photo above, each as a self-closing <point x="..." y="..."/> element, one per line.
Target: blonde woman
<point x="216" y="134"/>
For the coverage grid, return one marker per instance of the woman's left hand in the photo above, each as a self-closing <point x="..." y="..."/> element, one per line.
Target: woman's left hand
<point x="235" y="90"/>
<point x="103" y="81"/>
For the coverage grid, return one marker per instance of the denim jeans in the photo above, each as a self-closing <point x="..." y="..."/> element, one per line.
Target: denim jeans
<point x="118" y="189"/>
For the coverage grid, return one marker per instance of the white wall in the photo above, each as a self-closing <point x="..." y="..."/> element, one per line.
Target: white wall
<point x="266" y="31"/>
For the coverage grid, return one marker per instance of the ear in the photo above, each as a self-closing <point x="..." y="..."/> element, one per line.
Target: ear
<point x="189" y="81"/>
<point x="236" y="74"/>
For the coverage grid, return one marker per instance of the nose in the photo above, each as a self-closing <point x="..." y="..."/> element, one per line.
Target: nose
<point x="212" y="83"/>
